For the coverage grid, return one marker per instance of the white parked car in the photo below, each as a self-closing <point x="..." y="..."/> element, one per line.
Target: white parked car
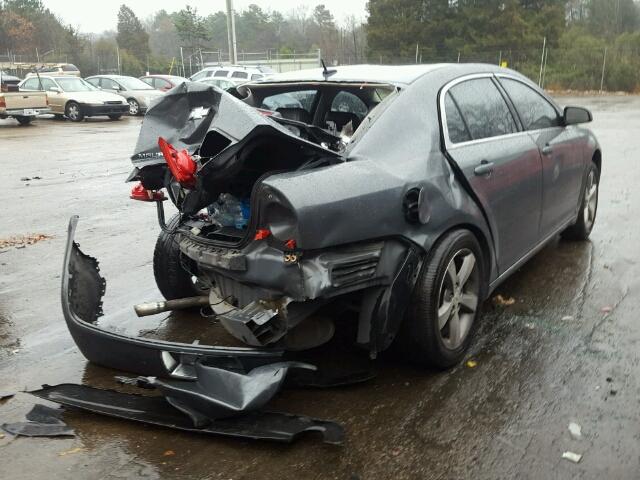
<point x="138" y="94"/>
<point x="234" y="73"/>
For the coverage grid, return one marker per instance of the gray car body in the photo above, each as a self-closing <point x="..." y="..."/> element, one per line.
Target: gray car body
<point x="143" y="97"/>
<point x="358" y="201"/>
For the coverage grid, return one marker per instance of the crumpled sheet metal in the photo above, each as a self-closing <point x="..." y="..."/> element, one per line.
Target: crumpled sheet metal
<point x="280" y="427"/>
<point x="42" y="421"/>
<point x="221" y="393"/>
<point x="82" y="291"/>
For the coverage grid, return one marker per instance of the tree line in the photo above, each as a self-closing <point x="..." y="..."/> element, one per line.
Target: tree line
<point x="586" y="42"/>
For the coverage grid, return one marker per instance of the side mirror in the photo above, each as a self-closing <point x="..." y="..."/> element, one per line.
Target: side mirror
<point x="576" y="115"/>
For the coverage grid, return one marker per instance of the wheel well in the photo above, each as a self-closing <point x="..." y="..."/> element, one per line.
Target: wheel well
<point x="484" y="245"/>
<point x="597" y="159"/>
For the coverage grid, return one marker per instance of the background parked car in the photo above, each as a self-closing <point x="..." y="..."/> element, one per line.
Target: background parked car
<point x="223" y="83"/>
<point x="76" y="99"/>
<point x="240" y="73"/>
<point x="163" y="82"/>
<point x="138" y="94"/>
<point x="62" y="69"/>
<point x="24" y="108"/>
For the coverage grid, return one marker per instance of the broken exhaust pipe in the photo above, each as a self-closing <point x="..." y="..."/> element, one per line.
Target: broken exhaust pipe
<point x="153" y="308"/>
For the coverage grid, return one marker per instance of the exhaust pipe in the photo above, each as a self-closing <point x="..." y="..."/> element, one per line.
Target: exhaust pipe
<point x="153" y="308"/>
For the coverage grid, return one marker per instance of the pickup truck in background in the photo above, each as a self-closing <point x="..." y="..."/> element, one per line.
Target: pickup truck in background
<point x="23" y="106"/>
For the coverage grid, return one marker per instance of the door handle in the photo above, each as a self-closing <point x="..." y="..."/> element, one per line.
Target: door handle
<point x="485" y="168"/>
<point x="547" y="150"/>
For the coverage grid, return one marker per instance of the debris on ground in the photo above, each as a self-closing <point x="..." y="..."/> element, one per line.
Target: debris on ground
<point x="42" y="421"/>
<point x="530" y="326"/>
<point x="169" y="453"/>
<point x="606" y="309"/>
<point x="567" y="318"/>
<point x="503" y="301"/>
<point x="572" y="457"/>
<point x="576" y="430"/>
<point x="472" y="363"/>
<point x="20" y="241"/>
<point x="4" y="396"/>
<point x="71" y="452"/>
<point x="26" y="179"/>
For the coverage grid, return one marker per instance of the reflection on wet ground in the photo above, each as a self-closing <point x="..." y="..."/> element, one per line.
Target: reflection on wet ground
<point x="565" y="351"/>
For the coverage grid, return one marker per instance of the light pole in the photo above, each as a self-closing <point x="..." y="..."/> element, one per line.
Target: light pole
<point x="231" y="33"/>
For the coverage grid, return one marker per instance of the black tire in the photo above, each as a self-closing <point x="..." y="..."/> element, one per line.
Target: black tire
<point x="57" y="116"/>
<point x="172" y="279"/>
<point x="581" y="230"/>
<point x="24" y="120"/>
<point x="73" y="111"/>
<point x="421" y="338"/>
<point x="115" y="117"/>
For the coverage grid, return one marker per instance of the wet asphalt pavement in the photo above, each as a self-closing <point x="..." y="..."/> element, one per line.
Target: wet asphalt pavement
<point x="566" y="351"/>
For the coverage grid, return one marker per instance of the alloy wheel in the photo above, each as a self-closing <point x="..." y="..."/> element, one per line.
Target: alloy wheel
<point x="590" y="204"/>
<point x="73" y="112"/>
<point x="134" y="108"/>
<point x="458" y="298"/>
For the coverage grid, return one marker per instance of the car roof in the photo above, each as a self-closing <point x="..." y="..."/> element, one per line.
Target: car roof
<point x="391" y="74"/>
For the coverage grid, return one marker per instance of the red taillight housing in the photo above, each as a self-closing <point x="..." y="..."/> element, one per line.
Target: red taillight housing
<point x="261" y="234"/>
<point x="181" y="164"/>
<point x="290" y="244"/>
<point x="3" y="103"/>
<point x="138" y="192"/>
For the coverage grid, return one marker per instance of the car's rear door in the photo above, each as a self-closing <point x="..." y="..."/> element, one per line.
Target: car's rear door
<point x="500" y="162"/>
<point x="562" y="158"/>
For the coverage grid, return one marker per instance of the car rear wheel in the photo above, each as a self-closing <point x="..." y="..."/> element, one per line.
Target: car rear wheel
<point x="588" y="209"/>
<point x="73" y="111"/>
<point x="172" y="279"/>
<point x="115" y="117"/>
<point x="446" y="302"/>
<point x="24" y="120"/>
<point x="134" y="106"/>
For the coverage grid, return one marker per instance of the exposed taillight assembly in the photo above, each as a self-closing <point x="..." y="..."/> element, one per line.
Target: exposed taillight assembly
<point x="183" y="167"/>
<point x="290" y="244"/>
<point x="3" y="103"/>
<point x="261" y="234"/>
<point x="138" y="192"/>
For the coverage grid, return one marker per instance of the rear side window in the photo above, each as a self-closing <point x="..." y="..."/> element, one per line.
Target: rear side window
<point x="199" y="75"/>
<point x="483" y="108"/>
<point x="256" y="76"/>
<point x="69" y="68"/>
<point x="31" y="84"/>
<point x="239" y="75"/>
<point x="221" y="73"/>
<point x="534" y="110"/>
<point x="161" y="83"/>
<point x="94" y="81"/>
<point x="458" y="131"/>
<point x="148" y="81"/>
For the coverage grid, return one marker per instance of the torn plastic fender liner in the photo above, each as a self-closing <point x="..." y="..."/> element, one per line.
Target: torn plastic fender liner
<point x="82" y="291"/>
<point x="280" y="427"/>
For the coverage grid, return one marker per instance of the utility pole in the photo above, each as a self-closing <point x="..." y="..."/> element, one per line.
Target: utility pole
<point x="544" y="48"/>
<point x="231" y="33"/>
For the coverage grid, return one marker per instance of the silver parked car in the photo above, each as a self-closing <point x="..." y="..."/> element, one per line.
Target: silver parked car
<point x="139" y="95"/>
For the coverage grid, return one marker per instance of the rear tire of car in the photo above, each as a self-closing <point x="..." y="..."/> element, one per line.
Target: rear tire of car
<point x="73" y="112"/>
<point x="446" y="302"/>
<point x="24" y="120"/>
<point x="134" y="107"/>
<point x="115" y="117"/>
<point x="581" y="230"/>
<point x="172" y="279"/>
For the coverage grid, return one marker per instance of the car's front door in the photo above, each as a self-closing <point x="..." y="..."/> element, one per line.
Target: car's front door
<point x="501" y="163"/>
<point x="562" y="162"/>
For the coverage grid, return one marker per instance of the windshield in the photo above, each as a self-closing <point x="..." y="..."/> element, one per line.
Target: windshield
<point x="131" y="83"/>
<point x="74" y="84"/>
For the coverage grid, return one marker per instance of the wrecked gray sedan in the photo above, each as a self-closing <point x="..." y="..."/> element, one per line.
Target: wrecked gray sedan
<point x="406" y="194"/>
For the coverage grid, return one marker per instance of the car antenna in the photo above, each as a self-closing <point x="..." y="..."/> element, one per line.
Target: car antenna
<point x="326" y="72"/>
<point x="35" y="69"/>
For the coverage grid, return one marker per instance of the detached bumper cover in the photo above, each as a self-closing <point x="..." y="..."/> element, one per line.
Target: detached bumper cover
<point x="82" y="291"/>
<point x="280" y="427"/>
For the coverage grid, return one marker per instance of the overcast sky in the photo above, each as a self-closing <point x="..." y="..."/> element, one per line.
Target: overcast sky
<point x="93" y="16"/>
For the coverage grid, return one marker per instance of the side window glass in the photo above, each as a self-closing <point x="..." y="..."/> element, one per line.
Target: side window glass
<point x="239" y="75"/>
<point x="31" y="84"/>
<point x="483" y="108"/>
<point x="162" y="83"/>
<point x="221" y="73"/>
<point x="349" y="103"/>
<point x="94" y="81"/>
<point x="256" y="76"/>
<point x="148" y="81"/>
<point x="198" y="76"/>
<point x="47" y="83"/>
<point x="534" y="110"/>
<point x="458" y="131"/>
